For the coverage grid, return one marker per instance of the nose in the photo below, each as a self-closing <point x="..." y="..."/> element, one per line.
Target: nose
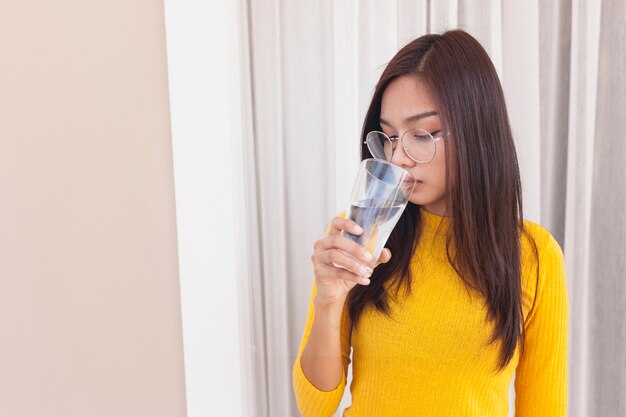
<point x="400" y="158"/>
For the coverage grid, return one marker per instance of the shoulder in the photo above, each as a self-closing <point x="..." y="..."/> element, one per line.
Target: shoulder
<point x="547" y="245"/>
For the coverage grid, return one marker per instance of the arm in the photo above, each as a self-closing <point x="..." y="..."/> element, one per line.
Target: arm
<point x="321" y="366"/>
<point x="541" y="375"/>
<point x="321" y="358"/>
<point x="319" y="373"/>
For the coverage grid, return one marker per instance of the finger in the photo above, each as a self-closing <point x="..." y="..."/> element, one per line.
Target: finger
<point x="347" y="245"/>
<point x="340" y="259"/>
<point x="344" y="274"/>
<point x="385" y="256"/>
<point x="349" y="276"/>
<point x="338" y="224"/>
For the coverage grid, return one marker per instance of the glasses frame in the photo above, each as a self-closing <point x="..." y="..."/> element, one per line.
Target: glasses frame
<point x="394" y="143"/>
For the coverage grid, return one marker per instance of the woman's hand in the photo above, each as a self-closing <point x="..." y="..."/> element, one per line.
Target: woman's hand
<point x="340" y="263"/>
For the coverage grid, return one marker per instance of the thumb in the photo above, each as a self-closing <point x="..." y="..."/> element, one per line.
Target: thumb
<point x="385" y="256"/>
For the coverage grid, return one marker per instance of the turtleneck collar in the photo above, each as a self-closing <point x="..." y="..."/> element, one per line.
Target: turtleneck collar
<point x="432" y="222"/>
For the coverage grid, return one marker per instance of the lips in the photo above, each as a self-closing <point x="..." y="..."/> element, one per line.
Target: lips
<point x="411" y="183"/>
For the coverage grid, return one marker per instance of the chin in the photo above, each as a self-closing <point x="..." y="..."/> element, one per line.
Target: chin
<point x="424" y="201"/>
<point x="420" y="201"/>
<point x="421" y="198"/>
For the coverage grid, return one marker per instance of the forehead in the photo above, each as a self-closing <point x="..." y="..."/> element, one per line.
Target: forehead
<point x="404" y="97"/>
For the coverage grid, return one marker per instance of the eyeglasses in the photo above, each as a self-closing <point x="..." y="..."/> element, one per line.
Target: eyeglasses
<point x="419" y="144"/>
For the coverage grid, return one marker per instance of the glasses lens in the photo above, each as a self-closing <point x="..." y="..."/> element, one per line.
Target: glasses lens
<point x="420" y="145"/>
<point x="379" y="145"/>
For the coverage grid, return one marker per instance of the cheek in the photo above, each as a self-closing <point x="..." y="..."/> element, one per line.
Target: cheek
<point x="439" y="179"/>
<point x="438" y="168"/>
<point x="435" y="178"/>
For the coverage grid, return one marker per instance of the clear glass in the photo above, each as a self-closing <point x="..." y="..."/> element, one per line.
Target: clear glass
<point x="419" y="144"/>
<point x="380" y="194"/>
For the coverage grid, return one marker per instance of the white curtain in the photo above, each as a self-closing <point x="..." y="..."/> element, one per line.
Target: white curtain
<point x="310" y="70"/>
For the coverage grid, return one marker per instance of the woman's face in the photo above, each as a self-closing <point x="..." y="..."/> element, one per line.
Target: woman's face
<point x="404" y="98"/>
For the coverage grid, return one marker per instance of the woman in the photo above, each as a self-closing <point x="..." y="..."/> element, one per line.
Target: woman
<point x="472" y="293"/>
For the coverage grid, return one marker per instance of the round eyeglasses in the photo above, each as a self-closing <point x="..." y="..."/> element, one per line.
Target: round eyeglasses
<point x="419" y="144"/>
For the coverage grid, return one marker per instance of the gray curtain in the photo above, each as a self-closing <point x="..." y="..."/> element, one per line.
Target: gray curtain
<point x="312" y="69"/>
<point x="605" y="380"/>
<point x="583" y="197"/>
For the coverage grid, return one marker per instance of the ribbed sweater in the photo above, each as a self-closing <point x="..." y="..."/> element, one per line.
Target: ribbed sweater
<point x="432" y="357"/>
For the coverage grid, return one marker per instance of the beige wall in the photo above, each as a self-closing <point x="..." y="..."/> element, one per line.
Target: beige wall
<point x="89" y="294"/>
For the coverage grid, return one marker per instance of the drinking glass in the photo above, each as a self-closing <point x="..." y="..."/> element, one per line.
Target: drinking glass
<point x="380" y="194"/>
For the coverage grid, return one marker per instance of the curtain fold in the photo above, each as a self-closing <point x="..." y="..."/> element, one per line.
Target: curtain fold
<point x="313" y="67"/>
<point x="605" y="385"/>
<point x="582" y="284"/>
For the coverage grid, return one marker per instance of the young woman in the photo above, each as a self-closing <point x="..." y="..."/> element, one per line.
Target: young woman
<point x="473" y="292"/>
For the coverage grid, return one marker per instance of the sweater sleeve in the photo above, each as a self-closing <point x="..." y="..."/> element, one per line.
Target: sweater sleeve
<point x="541" y="374"/>
<point x="311" y="401"/>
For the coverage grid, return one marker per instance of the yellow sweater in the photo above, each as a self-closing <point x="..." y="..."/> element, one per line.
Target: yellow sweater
<point x="433" y="359"/>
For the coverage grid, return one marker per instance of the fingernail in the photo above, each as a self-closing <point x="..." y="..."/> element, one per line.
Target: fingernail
<point x="368" y="256"/>
<point x="358" y="229"/>
<point x="365" y="281"/>
<point x="365" y="270"/>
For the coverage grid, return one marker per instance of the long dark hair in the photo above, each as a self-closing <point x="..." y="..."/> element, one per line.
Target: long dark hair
<point x="484" y="195"/>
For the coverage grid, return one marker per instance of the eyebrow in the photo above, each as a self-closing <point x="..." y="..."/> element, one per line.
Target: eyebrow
<point x="411" y="119"/>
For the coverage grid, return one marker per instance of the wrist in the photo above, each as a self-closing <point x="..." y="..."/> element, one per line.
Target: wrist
<point x="328" y="313"/>
<point x="328" y="304"/>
